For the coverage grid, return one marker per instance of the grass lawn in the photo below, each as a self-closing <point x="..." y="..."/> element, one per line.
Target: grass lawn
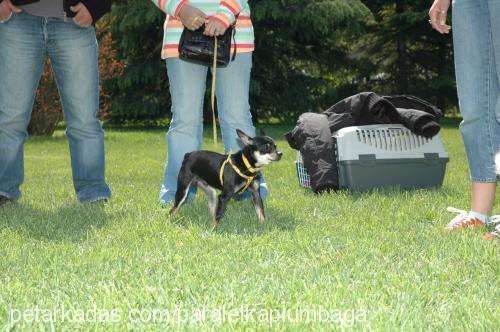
<point x="376" y="260"/>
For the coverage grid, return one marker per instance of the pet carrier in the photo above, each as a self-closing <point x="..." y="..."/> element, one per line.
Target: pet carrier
<point x="384" y="155"/>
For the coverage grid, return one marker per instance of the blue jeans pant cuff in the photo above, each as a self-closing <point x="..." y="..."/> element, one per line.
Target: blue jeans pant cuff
<point x="92" y="197"/>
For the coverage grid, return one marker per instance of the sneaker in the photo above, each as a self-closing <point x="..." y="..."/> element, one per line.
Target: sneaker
<point x="101" y="202"/>
<point x="496" y="232"/>
<point x="463" y="220"/>
<point x="5" y="200"/>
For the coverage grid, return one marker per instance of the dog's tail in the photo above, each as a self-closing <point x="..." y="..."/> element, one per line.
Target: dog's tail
<point x="184" y="180"/>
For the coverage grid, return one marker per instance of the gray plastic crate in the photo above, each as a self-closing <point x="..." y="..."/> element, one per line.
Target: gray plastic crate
<point x="384" y="155"/>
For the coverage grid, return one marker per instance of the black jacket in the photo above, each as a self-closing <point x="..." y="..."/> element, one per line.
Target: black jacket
<point x="97" y="8"/>
<point x="313" y="132"/>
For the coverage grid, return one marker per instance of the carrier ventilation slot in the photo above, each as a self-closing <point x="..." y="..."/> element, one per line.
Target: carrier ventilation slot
<point x="391" y="139"/>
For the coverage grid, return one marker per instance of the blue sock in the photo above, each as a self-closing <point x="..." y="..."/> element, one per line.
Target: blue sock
<point x="484" y="218"/>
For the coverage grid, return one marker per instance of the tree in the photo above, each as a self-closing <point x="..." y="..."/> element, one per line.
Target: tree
<point x="301" y="48"/>
<point x="140" y="92"/>
<point x="299" y="45"/>
<point x="401" y="54"/>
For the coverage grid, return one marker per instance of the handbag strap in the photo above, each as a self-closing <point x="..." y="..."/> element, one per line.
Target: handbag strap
<point x="234" y="43"/>
<point x="234" y="36"/>
<point x="214" y="75"/>
<point x="212" y="94"/>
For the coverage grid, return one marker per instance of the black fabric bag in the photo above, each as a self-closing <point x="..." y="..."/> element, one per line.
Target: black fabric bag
<point x="97" y="8"/>
<point x="196" y="47"/>
<point x="22" y="2"/>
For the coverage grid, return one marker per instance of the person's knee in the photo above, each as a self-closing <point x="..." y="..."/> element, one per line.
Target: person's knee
<point x="84" y="127"/>
<point x="14" y="125"/>
<point x="236" y="116"/>
<point x="186" y="119"/>
<point x="471" y="116"/>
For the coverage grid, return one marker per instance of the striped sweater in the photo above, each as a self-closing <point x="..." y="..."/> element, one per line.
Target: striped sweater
<point x="225" y="11"/>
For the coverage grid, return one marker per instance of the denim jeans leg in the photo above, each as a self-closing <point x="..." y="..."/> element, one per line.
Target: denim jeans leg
<point x="187" y="90"/>
<point x="22" y="56"/>
<point x="477" y="83"/>
<point x="73" y="52"/>
<point x="494" y="11"/>
<point x="232" y="89"/>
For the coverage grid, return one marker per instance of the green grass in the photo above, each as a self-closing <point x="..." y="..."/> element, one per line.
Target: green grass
<point x="381" y="256"/>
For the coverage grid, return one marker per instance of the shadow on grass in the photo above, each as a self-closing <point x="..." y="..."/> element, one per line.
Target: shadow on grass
<point x="72" y="223"/>
<point x="390" y="191"/>
<point x="240" y="219"/>
<point x="450" y="122"/>
<point x="387" y="191"/>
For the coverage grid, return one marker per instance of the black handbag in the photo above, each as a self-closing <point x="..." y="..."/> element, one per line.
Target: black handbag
<point x="196" y="47"/>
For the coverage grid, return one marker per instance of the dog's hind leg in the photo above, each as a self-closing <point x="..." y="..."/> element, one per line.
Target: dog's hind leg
<point x="184" y="181"/>
<point x="211" y="194"/>
<point x="257" y="201"/>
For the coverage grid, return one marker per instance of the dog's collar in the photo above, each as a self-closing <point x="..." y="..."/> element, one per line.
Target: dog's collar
<point x="247" y="164"/>
<point x="237" y="170"/>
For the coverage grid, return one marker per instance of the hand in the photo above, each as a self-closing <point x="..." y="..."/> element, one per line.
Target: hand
<point x="6" y="9"/>
<point x="214" y="27"/>
<point x="191" y="17"/>
<point x="437" y="15"/>
<point x="82" y="17"/>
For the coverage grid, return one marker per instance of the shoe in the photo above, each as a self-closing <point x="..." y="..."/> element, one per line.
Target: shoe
<point x="463" y="220"/>
<point x="496" y="232"/>
<point x="167" y="200"/>
<point x="97" y="202"/>
<point x="5" y="200"/>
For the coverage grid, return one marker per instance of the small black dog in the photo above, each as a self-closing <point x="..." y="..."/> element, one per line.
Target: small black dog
<point x="232" y="174"/>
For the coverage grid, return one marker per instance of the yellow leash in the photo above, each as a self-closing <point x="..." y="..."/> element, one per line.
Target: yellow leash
<point x="214" y="123"/>
<point x="237" y="170"/>
<point x="212" y="95"/>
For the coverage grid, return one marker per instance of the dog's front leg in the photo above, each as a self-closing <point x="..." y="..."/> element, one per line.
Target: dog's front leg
<point x="257" y="201"/>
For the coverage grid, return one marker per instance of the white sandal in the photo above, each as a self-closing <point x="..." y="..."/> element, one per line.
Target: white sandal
<point x="463" y="219"/>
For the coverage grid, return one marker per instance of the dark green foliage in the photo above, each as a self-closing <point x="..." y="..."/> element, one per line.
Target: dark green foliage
<point x="141" y="93"/>
<point x="401" y="54"/>
<point x="299" y="49"/>
<point x="309" y="54"/>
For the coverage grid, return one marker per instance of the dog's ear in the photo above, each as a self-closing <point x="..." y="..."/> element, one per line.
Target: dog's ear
<point x="247" y="140"/>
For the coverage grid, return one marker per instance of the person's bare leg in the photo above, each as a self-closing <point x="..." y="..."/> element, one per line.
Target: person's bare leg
<point x="483" y="197"/>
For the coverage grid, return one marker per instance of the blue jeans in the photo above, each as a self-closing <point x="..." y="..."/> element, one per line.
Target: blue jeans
<point x="24" y="42"/>
<point x="476" y="37"/>
<point x="187" y="90"/>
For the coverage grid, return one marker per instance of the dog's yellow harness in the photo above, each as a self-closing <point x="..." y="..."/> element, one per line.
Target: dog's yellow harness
<point x="237" y="170"/>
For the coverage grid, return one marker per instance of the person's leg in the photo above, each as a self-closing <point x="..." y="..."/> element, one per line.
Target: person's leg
<point x="187" y="90"/>
<point x="494" y="11"/>
<point x="232" y="90"/>
<point x="477" y="84"/>
<point x="483" y="193"/>
<point x="73" y="52"/>
<point x="22" y="54"/>
<point x="483" y="197"/>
